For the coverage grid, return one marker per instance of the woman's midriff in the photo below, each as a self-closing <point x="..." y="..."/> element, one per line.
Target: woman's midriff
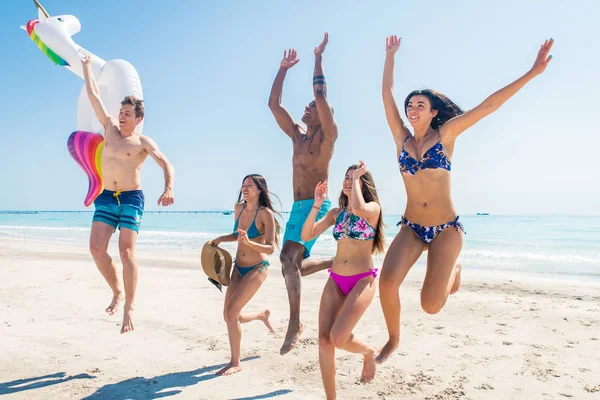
<point x="429" y="199"/>
<point x="353" y="257"/>
<point x="246" y="256"/>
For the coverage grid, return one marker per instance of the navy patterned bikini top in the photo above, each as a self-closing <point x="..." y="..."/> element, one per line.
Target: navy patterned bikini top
<point x="433" y="158"/>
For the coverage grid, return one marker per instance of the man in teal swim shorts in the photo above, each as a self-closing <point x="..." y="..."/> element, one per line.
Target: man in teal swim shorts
<point x="121" y="204"/>
<point x="312" y="152"/>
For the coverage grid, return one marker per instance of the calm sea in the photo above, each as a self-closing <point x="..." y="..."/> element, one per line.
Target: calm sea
<point x="549" y="245"/>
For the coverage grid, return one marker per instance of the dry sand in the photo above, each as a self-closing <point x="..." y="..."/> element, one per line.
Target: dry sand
<point x="496" y="339"/>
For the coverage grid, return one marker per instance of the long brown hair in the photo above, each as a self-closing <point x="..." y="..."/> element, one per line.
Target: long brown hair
<point x="369" y="193"/>
<point x="446" y="108"/>
<point x="264" y="199"/>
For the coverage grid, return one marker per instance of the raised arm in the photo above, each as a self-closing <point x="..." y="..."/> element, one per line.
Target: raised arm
<point x="94" y="93"/>
<point x="166" y="199"/>
<point x="461" y="123"/>
<point x="328" y="124"/>
<point x="392" y="114"/>
<point x="282" y="116"/>
<point x="312" y="229"/>
<point x="360" y="208"/>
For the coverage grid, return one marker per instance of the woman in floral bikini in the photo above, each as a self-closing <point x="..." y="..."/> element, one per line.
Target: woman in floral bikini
<point x="358" y="231"/>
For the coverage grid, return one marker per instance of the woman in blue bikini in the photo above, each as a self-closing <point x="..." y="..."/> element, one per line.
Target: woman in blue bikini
<point x="358" y="230"/>
<point x="257" y="232"/>
<point x="430" y="220"/>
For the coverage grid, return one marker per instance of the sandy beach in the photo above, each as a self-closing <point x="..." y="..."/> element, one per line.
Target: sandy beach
<point x="498" y="338"/>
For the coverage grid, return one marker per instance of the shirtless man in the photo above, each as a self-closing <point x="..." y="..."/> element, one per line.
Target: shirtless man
<point x="312" y="151"/>
<point x="121" y="204"/>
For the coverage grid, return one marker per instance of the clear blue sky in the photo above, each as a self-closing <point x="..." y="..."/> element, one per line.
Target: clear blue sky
<point x="207" y="69"/>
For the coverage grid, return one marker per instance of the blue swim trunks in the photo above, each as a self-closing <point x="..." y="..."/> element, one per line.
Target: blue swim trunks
<point x="122" y="209"/>
<point x="293" y="228"/>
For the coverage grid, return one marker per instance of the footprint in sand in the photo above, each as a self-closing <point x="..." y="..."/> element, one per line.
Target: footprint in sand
<point x="592" y="389"/>
<point x="454" y="391"/>
<point x="308" y="342"/>
<point x="484" y="386"/>
<point x="214" y="345"/>
<point x="306" y="368"/>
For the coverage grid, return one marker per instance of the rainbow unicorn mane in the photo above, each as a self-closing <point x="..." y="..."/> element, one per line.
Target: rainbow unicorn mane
<point x="86" y="149"/>
<point x="55" y="58"/>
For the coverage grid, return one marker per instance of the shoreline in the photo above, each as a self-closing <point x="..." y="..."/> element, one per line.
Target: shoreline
<point x="190" y="260"/>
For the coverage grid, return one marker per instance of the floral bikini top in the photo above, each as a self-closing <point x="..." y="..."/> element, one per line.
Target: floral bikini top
<point x="348" y="225"/>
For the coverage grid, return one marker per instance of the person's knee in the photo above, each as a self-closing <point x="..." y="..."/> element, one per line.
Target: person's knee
<point x="287" y="258"/>
<point x="431" y="303"/>
<point x="325" y="341"/>
<point x="388" y="286"/>
<point x="98" y="250"/>
<point x="230" y="314"/>
<point x="289" y="263"/>
<point x="339" y="338"/>
<point x="126" y="253"/>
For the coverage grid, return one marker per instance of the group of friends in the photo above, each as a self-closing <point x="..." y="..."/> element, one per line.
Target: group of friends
<point x="429" y="223"/>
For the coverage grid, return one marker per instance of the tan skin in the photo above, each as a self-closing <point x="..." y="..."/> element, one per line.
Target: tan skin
<point x="339" y="314"/>
<point x="429" y="200"/>
<point x="122" y="158"/>
<point x="312" y="151"/>
<point x="249" y="252"/>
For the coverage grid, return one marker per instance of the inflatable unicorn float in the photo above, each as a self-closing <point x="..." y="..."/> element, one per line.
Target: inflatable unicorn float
<point x="116" y="79"/>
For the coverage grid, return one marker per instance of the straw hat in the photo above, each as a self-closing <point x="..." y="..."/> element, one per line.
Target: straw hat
<point x="216" y="263"/>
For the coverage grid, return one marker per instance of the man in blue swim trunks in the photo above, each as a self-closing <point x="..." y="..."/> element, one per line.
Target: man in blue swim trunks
<point x="121" y="204"/>
<point x="312" y="152"/>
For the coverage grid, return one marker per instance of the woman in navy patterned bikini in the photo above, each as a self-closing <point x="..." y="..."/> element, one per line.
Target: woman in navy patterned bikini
<point x="430" y="220"/>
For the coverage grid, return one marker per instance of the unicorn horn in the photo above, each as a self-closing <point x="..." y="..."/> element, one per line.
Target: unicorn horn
<point x="41" y="9"/>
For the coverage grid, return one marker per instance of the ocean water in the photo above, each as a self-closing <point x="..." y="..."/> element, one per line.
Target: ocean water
<point x="563" y="246"/>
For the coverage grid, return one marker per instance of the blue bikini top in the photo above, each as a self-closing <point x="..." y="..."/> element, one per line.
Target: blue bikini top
<point x="252" y="231"/>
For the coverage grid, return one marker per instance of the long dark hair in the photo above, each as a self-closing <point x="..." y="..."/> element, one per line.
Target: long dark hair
<point x="264" y="199"/>
<point x="369" y="193"/>
<point x="446" y="108"/>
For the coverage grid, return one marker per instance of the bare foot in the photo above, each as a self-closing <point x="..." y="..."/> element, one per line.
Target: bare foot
<point x="229" y="369"/>
<point x="456" y="284"/>
<point x="127" y="325"/>
<point x="114" y="304"/>
<point x="291" y="338"/>
<point x="265" y="318"/>
<point x="387" y="351"/>
<point x="369" y="368"/>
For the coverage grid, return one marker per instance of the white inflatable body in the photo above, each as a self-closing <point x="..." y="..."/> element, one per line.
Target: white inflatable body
<point x="116" y="79"/>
